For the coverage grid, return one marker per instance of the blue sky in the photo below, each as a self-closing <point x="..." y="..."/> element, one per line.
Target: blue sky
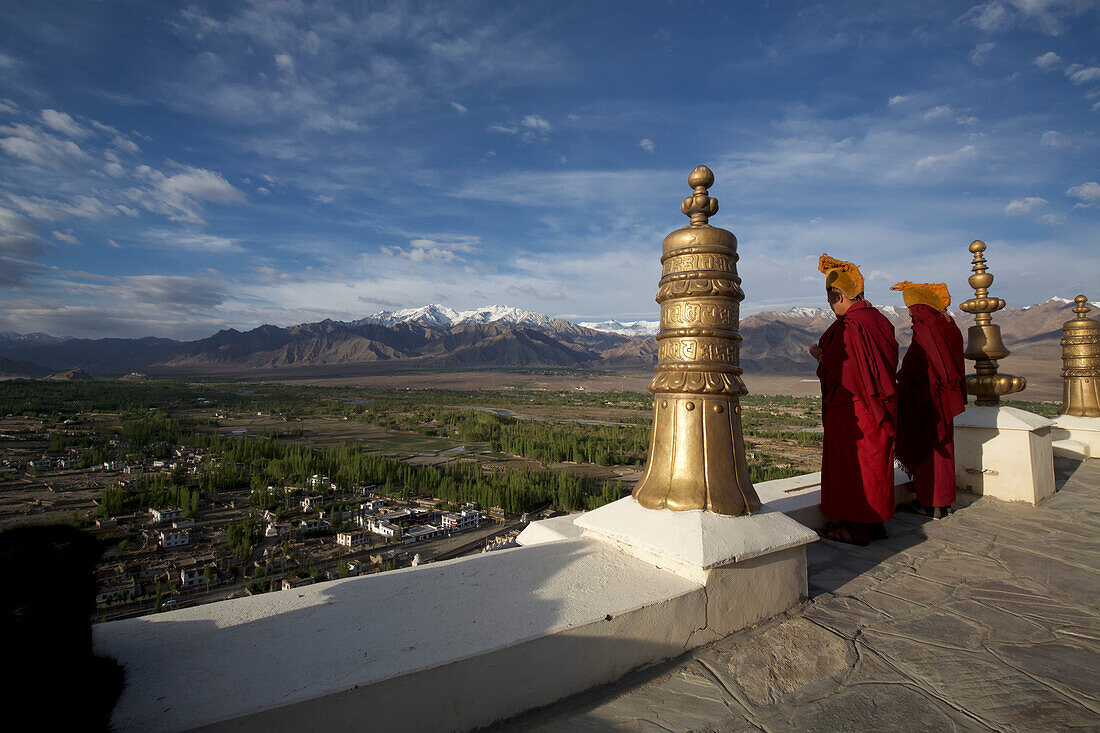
<point x="172" y="169"/>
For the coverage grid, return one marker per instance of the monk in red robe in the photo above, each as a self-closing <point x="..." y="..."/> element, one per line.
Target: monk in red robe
<point x="931" y="392"/>
<point x="857" y="360"/>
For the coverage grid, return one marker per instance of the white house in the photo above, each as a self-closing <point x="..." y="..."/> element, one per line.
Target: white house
<point x="174" y="537"/>
<point x="277" y="529"/>
<point x="384" y="528"/>
<point x="466" y="519"/>
<point x="356" y="538"/>
<point x="309" y="525"/>
<point x="166" y="515"/>
<point x="310" y="503"/>
<point x="192" y="576"/>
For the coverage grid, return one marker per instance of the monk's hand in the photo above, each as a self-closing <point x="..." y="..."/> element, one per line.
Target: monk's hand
<point x="815" y="351"/>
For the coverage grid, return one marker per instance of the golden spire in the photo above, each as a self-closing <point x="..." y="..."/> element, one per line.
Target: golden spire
<point x="697" y="452"/>
<point x="1081" y="363"/>
<point x="983" y="340"/>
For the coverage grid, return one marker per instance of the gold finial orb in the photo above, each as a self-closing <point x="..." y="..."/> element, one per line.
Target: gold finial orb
<point x="977" y="246"/>
<point x="701" y="176"/>
<point x="700" y="205"/>
<point x="1082" y="308"/>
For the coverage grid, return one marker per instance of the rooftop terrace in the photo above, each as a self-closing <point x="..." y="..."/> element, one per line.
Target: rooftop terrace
<point x="986" y="620"/>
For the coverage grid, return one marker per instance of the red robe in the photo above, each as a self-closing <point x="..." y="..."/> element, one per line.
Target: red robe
<point x="931" y="391"/>
<point x="859" y="409"/>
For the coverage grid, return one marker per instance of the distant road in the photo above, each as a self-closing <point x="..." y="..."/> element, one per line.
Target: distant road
<point x="515" y="415"/>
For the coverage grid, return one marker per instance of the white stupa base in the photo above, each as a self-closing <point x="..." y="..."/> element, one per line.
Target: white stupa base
<point x="753" y="567"/>
<point x="1084" y="430"/>
<point x="1005" y="453"/>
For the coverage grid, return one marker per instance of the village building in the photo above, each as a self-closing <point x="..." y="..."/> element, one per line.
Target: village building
<point x="384" y="528"/>
<point x="356" y="538"/>
<point x="277" y="529"/>
<point x="166" y="514"/>
<point x="289" y="583"/>
<point x="465" y="519"/>
<point x="421" y="533"/>
<point x="174" y="537"/>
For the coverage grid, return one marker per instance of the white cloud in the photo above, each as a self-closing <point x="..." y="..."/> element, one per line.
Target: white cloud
<point x="66" y="237"/>
<point x="1054" y="139"/>
<point x="40" y="148"/>
<point x="1047" y="61"/>
<point x="311" y="42"/>
<point x="938" y="113"/>
<point x="1047" y="16"/>
<point x="966" y="120"/>
<point x="981" y="52"/>
<point x="966" y="152"/>
<point x="271" y="275"/>
<point x="13" y="223"/>
<point x="1023" y="205"/>
<point x="536" y="122"/>
<point x="458" y="107"/>
<point x="530" y="291"/>
<point x="325" y="122"/>
<point x="646" y="144"/>
<point x="178" y="196"/>
<point x="1052" y="220"/>
<point x="191" y="241"/>
<point x="1088" y="193"/>
<point x="113" y="243"/>
<point x="114" y="170"/>
<point x="132" y="213"/>
<point x="896" y="100"/>
<point x="1083" y="75"/>
<point x="63" y="123"/>
<point x="530" y="128"/>
<point x="434" y="252"/>
<point x="44" y="209"/>
<point x="285" y="63"/>
<point x="168" y="291"/>
<point x="124" y="143"/>
<point x="991" y="17"/>
<point x="104" y="128"/>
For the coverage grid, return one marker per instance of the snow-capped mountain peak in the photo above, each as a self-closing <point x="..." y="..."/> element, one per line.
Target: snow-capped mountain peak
<point x="635" y="329"/>
<point x="503" y="314"/>
<point x="803" y="311"/>
<point x="441" y="316"/>
<point x="429" y="315"/>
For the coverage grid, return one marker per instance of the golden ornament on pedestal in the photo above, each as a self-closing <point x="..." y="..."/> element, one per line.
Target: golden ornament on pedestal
<point x="983" y="340"/>
<point x="697" y="451"/>
<point x="1081" y="363"/>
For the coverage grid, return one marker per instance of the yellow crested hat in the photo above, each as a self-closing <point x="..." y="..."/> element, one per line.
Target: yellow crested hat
<point x="933" y="294"/>
<point x="844" y="276"/>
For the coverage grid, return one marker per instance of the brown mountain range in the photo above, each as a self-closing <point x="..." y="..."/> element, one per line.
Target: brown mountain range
<point x="773" y="343"/>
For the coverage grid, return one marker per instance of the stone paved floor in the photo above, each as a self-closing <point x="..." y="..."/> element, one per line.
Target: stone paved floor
<point x="986" y="620"/>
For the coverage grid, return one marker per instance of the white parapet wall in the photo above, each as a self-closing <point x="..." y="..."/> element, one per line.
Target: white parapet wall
<point x="1082" y="430"/>
<point x="444" y="646"/>
<point x="1005" y="453"/>
<point x="452" y="645"/>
